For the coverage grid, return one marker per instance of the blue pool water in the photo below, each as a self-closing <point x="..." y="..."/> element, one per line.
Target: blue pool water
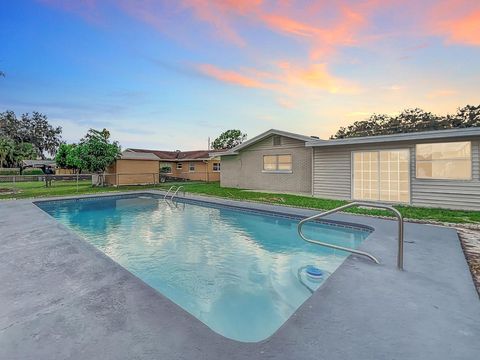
<point x="241" y="273"/>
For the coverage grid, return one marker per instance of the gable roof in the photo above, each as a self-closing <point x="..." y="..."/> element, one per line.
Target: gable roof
<point x="177" y="155"/>
<point x="38" y="163"/>
<point x="264" y="135"/>
<point x="415" y="136"/>
<point x="130" y="155"/>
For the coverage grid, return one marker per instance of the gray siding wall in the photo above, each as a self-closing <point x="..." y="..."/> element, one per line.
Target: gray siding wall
<point x="332" y="177"/>
<point x="245" y="169"/>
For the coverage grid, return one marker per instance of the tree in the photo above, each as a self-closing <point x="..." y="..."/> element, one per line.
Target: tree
<point x="61" y="156"/>
<point x="95" y="151"/>
<point x="7" y="147"/>
<point x="34" y="129"/>
<point x="229" y="139"/>
<point x="410" y="120"/>
<point x="24" y="151"/>
<point x="73" y="158"/>
<point x="67" y="157"/>
<point x="468" y="116"/>
<point x="43" y="136"/>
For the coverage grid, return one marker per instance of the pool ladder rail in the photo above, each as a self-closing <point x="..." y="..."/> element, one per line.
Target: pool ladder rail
<point x="174" y="187"/>
<point x="354" y="251"/>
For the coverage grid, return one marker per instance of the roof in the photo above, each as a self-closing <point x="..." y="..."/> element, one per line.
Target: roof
<point x="264" y="135"/>
<point x="177" y="155"/>
<point x="415" y="136"/>
<point x="35" y="163"/>
<point x="129" y="155"/>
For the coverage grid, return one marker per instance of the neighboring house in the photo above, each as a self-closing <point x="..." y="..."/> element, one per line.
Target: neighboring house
<point x="133" y="169"/>
<point x="200" y="165"/>
<point x="274" y="160"/>
<point x="433" y="168"/>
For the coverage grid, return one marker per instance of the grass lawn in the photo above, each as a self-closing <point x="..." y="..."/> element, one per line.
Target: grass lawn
<point x="409" y="212"/>
<point x="64" y="188"/>
<point x="36" y="189"/>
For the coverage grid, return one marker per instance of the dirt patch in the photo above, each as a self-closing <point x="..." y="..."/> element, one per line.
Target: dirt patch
<point x="470" y="240"/>
<point x="6" y="191"/>
<point x="272" y="200"/>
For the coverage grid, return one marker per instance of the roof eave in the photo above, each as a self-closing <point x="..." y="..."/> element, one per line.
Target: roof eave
<point x="419" y="136"/>
<point x="264" y="135"/>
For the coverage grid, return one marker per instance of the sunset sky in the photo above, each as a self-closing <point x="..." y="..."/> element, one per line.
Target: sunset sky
<point x="169" y="74"/>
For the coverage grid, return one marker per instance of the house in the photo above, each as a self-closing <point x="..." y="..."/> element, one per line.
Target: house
<point x="198" y="165"/>
<point x="433" y="168"/>
<point x="274" y="160"/>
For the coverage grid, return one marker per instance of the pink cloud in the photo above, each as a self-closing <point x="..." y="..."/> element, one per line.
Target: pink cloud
<point x="230" y="77"/>
<point x="284" y="78"/>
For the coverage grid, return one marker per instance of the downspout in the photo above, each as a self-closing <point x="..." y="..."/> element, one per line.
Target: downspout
<point x="312" y="176"/>
<point x="206" y="167"/>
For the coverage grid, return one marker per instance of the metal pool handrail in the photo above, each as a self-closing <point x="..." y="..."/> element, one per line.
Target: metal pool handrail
<point x="168" y="192"/>
<point x="354" y="251"/>
<point x="176" y="191"/>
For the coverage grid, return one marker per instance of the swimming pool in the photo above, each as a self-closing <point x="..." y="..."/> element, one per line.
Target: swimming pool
<point x="241" y="272"/>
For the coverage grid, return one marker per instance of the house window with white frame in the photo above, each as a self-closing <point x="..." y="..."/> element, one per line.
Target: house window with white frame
<point x="179" y="166"/>
<point x="447" y="161"/>
<point x="191" y="167"/>
<point x="216" y="166"/>
<point x="277" y="163"/>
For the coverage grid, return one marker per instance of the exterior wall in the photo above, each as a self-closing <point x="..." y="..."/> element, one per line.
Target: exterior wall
<point x="332" y="177"/>
<point x="133" y="172"/>
<point x="245" y="170"/>
<point x="203" y="170"/>
<point x="62" y="171"/>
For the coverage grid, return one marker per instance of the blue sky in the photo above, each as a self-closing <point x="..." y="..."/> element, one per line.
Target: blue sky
<point x="168" y="75"/>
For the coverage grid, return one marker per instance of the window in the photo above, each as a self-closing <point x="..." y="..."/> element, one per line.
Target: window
<point x="191" y="167"/>
<point x="179" y="166"/>
<point x="277" y="163"/>
<point x="216" y="166"/>
<point x="451" y="160"/>
<point x="277" y="140"/>
<point x="381" y="175"/>
<point x="166" y="168"/>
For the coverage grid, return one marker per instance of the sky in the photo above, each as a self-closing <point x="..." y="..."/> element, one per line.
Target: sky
<point x="169" y="74"/>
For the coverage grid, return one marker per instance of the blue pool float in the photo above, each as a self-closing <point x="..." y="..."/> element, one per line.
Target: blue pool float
<point x="314" y="272"/>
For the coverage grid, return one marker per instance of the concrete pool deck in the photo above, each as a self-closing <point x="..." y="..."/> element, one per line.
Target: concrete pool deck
<point x="61" y="298"/>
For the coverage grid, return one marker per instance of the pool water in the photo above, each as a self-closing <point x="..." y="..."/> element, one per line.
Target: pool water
<point x="242" y="273"/>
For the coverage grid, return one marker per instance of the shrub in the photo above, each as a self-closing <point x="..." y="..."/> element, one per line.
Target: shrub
<point x="6" y="171"/>
<point x="32" y="172"/>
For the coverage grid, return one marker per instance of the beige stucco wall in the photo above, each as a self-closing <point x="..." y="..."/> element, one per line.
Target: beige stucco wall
<point x="245" y="170"/>
<point x="203" y="170"/>
<point x="133" y="172"/>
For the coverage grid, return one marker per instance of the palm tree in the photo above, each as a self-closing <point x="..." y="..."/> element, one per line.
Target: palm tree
<point x="6" y="150"/>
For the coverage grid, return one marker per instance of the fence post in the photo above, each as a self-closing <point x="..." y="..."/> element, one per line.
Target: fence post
<point x="14" y="187"/>
<point x="77" y="182"/>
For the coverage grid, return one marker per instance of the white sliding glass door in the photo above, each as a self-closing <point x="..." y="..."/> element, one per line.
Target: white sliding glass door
<point x="381" y="175"/>
<point x="365" y="176"/>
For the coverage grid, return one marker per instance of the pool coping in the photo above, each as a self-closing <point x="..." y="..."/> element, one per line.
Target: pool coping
<point x="279" y="213"/>
<point x="302" y="336"/>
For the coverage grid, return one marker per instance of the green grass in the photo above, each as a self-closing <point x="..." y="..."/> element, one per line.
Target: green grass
<point x="409" y="212"/>
<point x="36" y="189"/>
<point x="64" y="188"/>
